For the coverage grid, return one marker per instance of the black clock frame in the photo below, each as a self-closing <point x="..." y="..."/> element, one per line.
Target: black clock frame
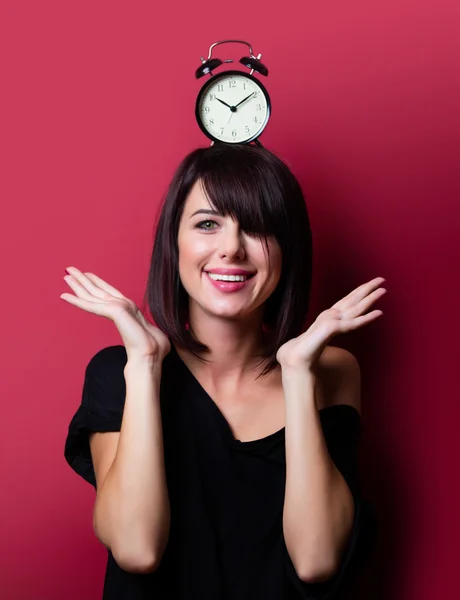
<point x="209" y="83"/>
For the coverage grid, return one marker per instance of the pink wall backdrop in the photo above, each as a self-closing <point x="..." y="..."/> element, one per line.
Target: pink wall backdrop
<point x="98" y="110"/>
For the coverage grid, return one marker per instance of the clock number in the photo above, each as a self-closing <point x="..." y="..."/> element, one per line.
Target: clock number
<point x="256" y="120"/>
<point x="255" y="95"/>
<point x="211" y="121"/>
<point x="220" y="87"/>
<point x="234" y="133"/>
<point x="259" y="107"/>
<point x="221" y="131"/>
<point x="244" y="85"/>
<point x="247" y="130"/>
<point x="206" y="109"/>
<point x="232" y="83"/>
<point x="211" y="97"/>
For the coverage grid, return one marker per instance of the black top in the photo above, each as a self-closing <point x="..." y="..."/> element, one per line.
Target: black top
<point x="226" y="539"/>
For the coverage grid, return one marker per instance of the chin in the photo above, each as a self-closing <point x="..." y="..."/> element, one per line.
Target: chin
<point x="226" y="312"/>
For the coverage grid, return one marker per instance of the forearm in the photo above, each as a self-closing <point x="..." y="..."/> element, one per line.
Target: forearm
<point x="132" y="513"/>
<point x="318" y="507"/>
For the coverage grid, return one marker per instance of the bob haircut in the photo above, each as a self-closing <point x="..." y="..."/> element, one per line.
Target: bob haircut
<point x="253" y="186"/>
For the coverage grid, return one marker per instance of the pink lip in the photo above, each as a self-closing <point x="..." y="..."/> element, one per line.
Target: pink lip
<point x="228" y="286"/>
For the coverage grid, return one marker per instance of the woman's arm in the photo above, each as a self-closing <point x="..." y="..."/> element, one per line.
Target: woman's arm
<point x="319" y="507"/>
<point x="132" y="513"/>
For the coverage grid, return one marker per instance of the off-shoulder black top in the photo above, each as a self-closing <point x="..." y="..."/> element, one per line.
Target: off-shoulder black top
<point x="226" y="496"/>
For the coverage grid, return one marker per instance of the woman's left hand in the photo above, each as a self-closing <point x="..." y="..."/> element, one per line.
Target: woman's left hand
<point x="346" y="315"/>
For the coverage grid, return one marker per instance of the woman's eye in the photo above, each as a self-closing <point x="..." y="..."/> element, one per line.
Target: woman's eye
<point x="201" y="225"/>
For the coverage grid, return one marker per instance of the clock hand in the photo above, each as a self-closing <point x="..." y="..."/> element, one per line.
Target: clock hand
<point x="232" y="108"/>
<point x="244" y="100"/>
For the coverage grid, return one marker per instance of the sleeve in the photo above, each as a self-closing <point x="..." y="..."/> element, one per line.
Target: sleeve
<point x="101" y="408"/>
<point x="342" y="431"/>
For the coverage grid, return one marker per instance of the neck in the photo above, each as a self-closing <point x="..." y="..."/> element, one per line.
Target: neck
<point x="235" y="346"/>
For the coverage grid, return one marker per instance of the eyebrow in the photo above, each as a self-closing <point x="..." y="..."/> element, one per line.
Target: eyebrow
<point x="206" y="211"/>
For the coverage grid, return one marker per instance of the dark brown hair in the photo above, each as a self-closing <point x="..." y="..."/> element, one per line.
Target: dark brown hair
<point x="253" y="186"/>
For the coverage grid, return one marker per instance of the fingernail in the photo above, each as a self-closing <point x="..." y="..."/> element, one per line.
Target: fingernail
<point x="67" y="271"/>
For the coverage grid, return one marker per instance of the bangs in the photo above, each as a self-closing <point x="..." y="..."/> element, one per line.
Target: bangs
<point x="238" y="184"/>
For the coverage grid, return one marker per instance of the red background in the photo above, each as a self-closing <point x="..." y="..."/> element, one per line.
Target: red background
<point x="98" y="110"/>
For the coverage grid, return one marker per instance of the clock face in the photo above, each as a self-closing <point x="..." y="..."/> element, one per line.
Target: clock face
<point x="233" y="107"/>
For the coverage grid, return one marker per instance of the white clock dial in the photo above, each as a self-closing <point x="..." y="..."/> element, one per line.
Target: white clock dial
<point x="233" y="108"/>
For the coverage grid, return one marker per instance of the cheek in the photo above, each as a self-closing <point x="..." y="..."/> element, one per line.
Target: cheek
<point x="274" y="267"/>
<point x="193" y="253"/>
<point x="269" y="263"/>
<point x="277" y="263"/>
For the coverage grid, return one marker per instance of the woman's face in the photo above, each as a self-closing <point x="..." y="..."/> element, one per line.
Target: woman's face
<point x="212" y="246"/>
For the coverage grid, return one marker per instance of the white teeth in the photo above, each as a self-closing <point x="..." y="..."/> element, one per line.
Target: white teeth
<point x="218" y="277"/>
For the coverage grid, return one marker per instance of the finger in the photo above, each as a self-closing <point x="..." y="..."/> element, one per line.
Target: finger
<point x="357" y="322"/>
<point x="80" y="290"/>
<point x="359" y="293"/>
<point x="104" y="285"/>
<point x="87" y="284"/>
<point x="364" y="304"/>
<point x="92" y="306"/>
<point x="364" y="290"/>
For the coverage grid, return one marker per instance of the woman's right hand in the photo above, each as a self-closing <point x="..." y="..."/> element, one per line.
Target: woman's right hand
<point x="141" y="339"/>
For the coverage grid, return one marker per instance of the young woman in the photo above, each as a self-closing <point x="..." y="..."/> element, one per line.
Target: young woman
<point x="222" y="442"/>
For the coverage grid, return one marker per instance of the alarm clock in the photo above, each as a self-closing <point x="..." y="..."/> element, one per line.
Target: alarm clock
<point x="232" y="107"/>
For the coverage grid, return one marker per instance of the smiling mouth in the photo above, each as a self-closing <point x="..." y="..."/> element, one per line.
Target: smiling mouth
<point x="229" y="278"/>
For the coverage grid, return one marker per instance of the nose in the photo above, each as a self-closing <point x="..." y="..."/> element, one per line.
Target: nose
<point x="231" y="242"/>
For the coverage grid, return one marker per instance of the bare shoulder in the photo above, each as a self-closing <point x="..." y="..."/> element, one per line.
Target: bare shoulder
<point x="338" y="378"/>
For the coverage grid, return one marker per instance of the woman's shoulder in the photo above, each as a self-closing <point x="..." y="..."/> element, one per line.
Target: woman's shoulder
<point x="114" y="359"/>
<point x="109" y="363"/>
<point x="108" y="357"/>
<point x="104" y="382"/>
<point x="338" y="379"/>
